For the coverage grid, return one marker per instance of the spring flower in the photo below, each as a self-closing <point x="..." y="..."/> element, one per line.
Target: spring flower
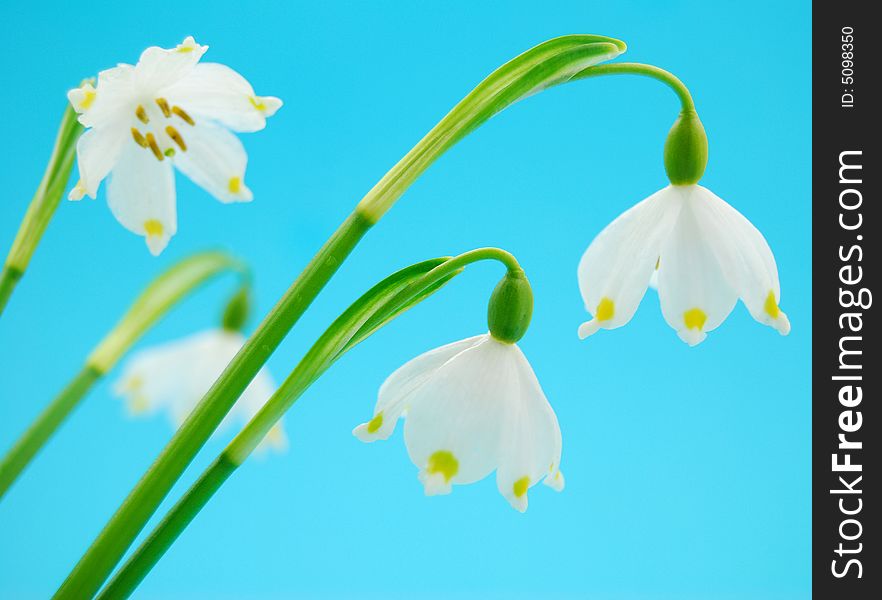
<point x="169" y="109"/>
<point x="707" y="256"/>
<point x="174" y="376"/>
<point x="472" y="406"/>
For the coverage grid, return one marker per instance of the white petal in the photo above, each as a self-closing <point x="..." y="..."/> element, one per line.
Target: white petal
<point x="531" y="441"/>
<point x="81" y="98"/>
<point x="745" y="256"/>
<point x="396" y="391"/>
<point x="615" y="270"/>
<point x="455" y="419"/>
<point x="218" y="93"/>
<point x="653" y="280"/>
<point x="555" y="481"/>
<point x="172" y="376"/>
<point x="159" y="67"/>
<point x="175" y="376"/>
<point x="145" y="384"/>
<point x="141" y="195"/>
<point x="435" y="484"/>
<point x="110" y="103"/>
<point x="695" y="296"/>
<point x="215" y="160"/>
<point x="209" y="353"/>
<point x="98" y="150"/>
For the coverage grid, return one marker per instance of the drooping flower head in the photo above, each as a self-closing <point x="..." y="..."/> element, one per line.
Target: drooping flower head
<point x="472" y="407"/>
<point x="707" y="255"/>
<point x="475" y="406"/>
<point x="173" y="377"/>
<point x="167" y="110"/>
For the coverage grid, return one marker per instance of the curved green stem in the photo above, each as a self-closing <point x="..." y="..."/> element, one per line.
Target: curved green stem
<point x="42" y="206"/>
<point x="330" y="347"/>
<point x="551" y="63"/>
<point x="320" y="356"/>
<point x="172" y="525"/>
<point x="626" y="68"/>
<point x="95" y="565"/>
<point x="157" y="299"/>
<point x="686" y="147"/>
<point x="546" y="65"/>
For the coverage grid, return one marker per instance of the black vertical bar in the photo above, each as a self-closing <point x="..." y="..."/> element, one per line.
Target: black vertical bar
<point x="846" y="369"/>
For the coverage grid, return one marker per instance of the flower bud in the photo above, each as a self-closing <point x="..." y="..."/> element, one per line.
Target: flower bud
<point x="686" y="149"/>
<point x="510" y="308"/>
<point x="236" y="311"/>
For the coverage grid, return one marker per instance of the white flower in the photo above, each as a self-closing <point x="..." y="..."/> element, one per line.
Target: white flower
<point x="169" y="109"/>
<point x="707" y="256"/>
<point x="472" y="406"/>
<point x="174" y="377"/>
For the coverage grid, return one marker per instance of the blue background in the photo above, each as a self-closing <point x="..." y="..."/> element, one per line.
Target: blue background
<point x="687" y="469"/>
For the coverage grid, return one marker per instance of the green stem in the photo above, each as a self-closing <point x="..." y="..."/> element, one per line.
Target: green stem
<point x="8" y="279"/>
<point x="319" y="358"/>
<point x="157" y="299"/>
<point x="42" y="206"/>
<point x="553" y="62"/>
<point x="686" y="148"/>
<point x="168" y="530"/>
<point x="546" y="65"/>
<point x="626" y="68"/>
<point x="52" y="416"/>
<point x="550" y="63"/>
<point x="92" y="569"/>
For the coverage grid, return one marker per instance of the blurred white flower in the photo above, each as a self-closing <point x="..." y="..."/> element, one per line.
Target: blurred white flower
<point x="707" y="256"/>
<point x="169" y="109"/>
<point x="472" y="406"/>
<point x="174" y="376"/>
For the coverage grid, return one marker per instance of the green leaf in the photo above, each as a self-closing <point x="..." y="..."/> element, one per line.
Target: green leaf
<point x="548" y="64"/>
<point x="155" y="300"/>
<point x="376" y="307"/>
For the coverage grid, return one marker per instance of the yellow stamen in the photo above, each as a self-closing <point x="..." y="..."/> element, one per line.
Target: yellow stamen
<point x="235" y="185"/>
<point x="173" y="134"/>
<point x="521" y="486"/>
<point x="374" y="424"/>
<point x="151" y="141"/>
<point x="771" y="306"/>
<point x="152" y="227"/>
<point x="443" y="462"/>
<point x="183" y="115"/>
<point x="142" y="114"/>
<point x="163" y="106"/>
<point x="694" y="318"/>
<point x="139" y="139"/>
<point x="606" y="309"/>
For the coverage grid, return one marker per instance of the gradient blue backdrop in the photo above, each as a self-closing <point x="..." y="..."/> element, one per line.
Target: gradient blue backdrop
<point x="687" y="469"/>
